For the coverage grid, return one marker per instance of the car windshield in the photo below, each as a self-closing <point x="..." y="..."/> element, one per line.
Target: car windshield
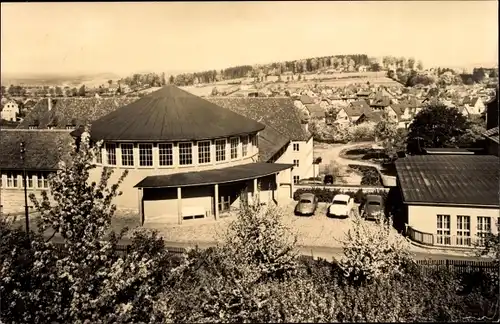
<point x="305" y="201"/>
<point x="374" y="203"/>
<point x="339" y="202"/>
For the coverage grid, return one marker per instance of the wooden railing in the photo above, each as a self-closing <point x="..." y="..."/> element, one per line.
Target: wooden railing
<point x="419" y="237"/>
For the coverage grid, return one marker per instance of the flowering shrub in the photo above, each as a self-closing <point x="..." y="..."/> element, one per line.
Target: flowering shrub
<point x="361" y="132"/>
<point x="373" y="252"/>
<point x="86" y="281"/>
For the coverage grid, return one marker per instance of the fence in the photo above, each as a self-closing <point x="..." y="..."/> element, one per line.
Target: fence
<point x="343" y="188"/>
<point x="420" y="237"/>
<point x="459" y="266"/>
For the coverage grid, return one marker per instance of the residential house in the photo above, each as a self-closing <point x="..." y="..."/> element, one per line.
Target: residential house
<point x="351" y="113"/>
<point x="61" y="112"/>
<point x="285" y="139"/>
<point x="370" y="116"/>
<point x="380" y="103"/>
<point x="474" y="105"/>
<point x="316" y="112"/>
<point x="10" y="110"/>
<point x="450" y="200"/>
<point x="41" y="159"/>
<point x="325" y="104"/>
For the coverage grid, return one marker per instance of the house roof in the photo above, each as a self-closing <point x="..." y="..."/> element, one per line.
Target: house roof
<point x="306" y="100"/>
<point x="449" y="179"/>
<point x="210" y="177"/>
<point x="172" y="114"/>
<point x="381" y="101"/>
<point x="357" y="108"/>
<point x="316" y="111"/>
<point x="282" y="119"/>
<point x="66" y="111"/>
<point x="44" y="148"/>
<point x="492" y="134"/>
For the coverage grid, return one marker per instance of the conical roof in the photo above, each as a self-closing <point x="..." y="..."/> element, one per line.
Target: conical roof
<point x="171" y="114"/>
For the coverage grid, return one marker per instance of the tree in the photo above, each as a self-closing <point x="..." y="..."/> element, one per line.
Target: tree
<point x="436" y="126"/>
<point x="86" y="281"/>
<point x="375" y="67"/>
<point x="420" y="66"/>
<point x="82" y="91"/>
<point x="171" y="79"/>
<point x="374" y="252"/>
<point x="110" y="82"/>
<point x="411" y="63"/>
<point x="59" y="92"/>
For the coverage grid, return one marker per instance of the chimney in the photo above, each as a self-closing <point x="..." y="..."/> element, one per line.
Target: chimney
<point x="49" y="103"/>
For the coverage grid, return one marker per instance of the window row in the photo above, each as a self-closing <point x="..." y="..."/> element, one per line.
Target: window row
<point x="15" y="180"/>
<point x="239" y="147"/>
<point x="463" y="229"/>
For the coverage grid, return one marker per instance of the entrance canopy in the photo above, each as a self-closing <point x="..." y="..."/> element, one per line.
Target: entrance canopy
<point x="231" y="174"/>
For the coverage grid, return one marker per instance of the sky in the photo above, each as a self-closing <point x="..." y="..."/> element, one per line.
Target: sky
<point x="122" y="38"/>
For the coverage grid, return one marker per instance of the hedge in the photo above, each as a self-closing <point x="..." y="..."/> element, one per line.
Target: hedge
<point x="326" y="195"/>
<point x="370" y="175"/>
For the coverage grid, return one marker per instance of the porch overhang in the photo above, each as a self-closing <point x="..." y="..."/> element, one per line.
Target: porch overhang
<point x="217" y="176"/>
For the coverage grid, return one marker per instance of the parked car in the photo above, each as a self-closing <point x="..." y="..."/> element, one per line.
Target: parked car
<point x="328" y="179"/>
<point x="373" y="207"/>
<point x="342" y="206"/>
<point x="307" y="204"/>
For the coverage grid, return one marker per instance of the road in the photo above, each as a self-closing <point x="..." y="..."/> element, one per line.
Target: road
<point x="327" y="253"/>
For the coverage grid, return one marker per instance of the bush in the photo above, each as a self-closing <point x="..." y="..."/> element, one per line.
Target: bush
<point x="370" y="175"/>
<point x="326" y="195"/>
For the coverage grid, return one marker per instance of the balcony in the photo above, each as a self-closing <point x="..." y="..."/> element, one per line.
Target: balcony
<point x="443" y="240"/>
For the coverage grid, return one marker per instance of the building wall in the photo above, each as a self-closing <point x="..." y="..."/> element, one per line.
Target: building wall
<point x="161" y="205"/>
<point x="129" y="198"/>
<point x="492" y="147"/>
<point x="12" y="199"/>
<point x="304" y="155"/>
<point x="424" y="218"/>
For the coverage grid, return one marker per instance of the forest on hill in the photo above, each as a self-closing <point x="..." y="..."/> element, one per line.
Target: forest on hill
<point x="337" y="63"/>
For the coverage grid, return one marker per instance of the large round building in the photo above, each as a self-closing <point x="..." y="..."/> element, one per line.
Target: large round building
<point x="186" y="157"/>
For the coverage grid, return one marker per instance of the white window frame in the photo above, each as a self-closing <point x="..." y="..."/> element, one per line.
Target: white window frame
<point x="165" y="154"/>
<point x="244" y="146"/>
<point x="110" y="152"/>
<point x="29" y="181"/>
<point x="204" y="155"/>
<point x="296" y="179"/>
<point x="443" y="225"/>
<point x="220" y="152"/>
<point x="145" y="154"/>
<point x="296" y="147"/>
<point x="296" y="163"/>
<point x="234" y="149"/>
<point x="186" y="155"/>
<point x="12" y="180"/>
<point x="98" y="157"/>
<point x="483" y="228"/>
<point x="42" y="181"/>
<point x="127" y="154"/>
<point x="463" y="230"/>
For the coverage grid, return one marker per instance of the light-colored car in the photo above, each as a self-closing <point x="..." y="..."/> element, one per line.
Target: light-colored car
<point x="342" y="206"/>
<point x="373" y="207"/>
<point x="307" y="204"/>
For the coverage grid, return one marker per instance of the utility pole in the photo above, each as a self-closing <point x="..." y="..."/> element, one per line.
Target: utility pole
<point x="22" y="151"/>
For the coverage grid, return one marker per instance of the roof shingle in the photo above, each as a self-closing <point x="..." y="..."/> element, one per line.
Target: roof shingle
<point x="171" y="114"/>
<point x="449" y="179"/>
<point x="44" y="148"/>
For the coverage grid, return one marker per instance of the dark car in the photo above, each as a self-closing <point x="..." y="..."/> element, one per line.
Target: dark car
<point x="373" y="207"/>
<point x="328" y="179"/>
<point x="307" y="204"/>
